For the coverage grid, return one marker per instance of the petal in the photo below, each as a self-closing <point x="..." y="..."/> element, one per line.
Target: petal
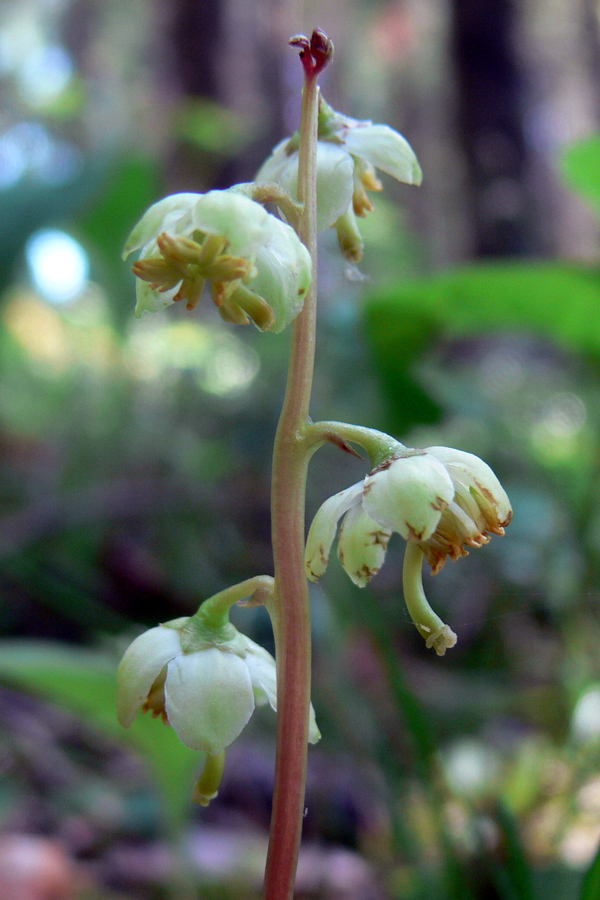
<point x="409" y="495"/>
<point x="141" y="664"/>
<point x="283" y="273"/>
<point x="323" y="529"/>
<point x="149" y="300"/>
<point x="272" y="168"/>
<point x="478" y="482"/>
<point x="335" y="182"/>
<point x="208" y="698"/>
<point x="385" y="149"/>
<point x="242" y="221"/>
<point x="263" y="673"/>
<point x="314" y="735"/>
<point x="161" y="216"/>
<point x="262" y="669"/>
<point x="361" y="545"/>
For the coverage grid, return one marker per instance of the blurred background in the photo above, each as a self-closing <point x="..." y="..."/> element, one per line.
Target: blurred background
<point x="135" y="454"/>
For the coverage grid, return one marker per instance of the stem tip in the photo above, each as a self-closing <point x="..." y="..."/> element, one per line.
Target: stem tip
<point x="314" y="53"/>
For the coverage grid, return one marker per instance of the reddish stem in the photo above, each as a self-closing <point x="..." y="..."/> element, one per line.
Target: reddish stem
<point x="291" y="608"/>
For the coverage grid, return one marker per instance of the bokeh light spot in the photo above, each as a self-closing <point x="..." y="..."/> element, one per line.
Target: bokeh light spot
<point x="586" y="715"/>
<point x="58" y="263"/>
<point x="45" y="74"/>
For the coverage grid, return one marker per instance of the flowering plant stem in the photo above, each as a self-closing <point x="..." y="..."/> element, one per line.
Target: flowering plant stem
<point x="290" y="606"/>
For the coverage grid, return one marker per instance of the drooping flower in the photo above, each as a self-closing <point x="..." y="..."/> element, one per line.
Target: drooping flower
<point x="206" y="690"/>
<point x="349" y="152"/>
<point x="256" y="265"/>
<point x="440" y="500"/>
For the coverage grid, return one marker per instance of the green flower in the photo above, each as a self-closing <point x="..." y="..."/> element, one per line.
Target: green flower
<point x="256" y="265"/>
<point x="348" y="154"/>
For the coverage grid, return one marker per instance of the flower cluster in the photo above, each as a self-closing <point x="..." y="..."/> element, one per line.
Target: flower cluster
<point x="439" y="499"/>
<point x="256" y="265"/>
<point x="206" y="686"/>
<point x="349" y="152"/>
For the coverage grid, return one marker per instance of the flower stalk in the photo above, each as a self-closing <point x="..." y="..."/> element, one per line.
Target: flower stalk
<point x="198" y="673"/>
<point x="291" y="608"/>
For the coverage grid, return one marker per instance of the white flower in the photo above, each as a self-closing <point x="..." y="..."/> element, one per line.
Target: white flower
<point x="348" y="153"/>
<point x="257" y="266"/>
<point x="207" y="694"/>
<point x="440" y="500"/>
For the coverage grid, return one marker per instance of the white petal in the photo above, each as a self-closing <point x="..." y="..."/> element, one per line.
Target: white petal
<point x="262" y="669"/>
<point x="385" y="149"/>
<point x="283" y="272"/>
<point x="323" y="529"/>
<point x="161" y="216"/>
<point x="469" y="471"/>
<point x="361" y="545"/>
<point x="149" y="300"/>
<point x="208" y="698"/>
<point x="272" y="168"/>
<point x="409" y="495"/>
<point x="335" y="182"/>
<point x="314" y="735"/>
<point x="263" y="673"/>
<point x="142" y="662"/>
<point x="241" y="220"/>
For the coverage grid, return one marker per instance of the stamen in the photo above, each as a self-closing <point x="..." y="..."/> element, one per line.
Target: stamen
<point x="228" y="268"/>
<point x="213" y="246"/>
<point x="228" y="310"/>
<point x="155" y="701"/>
<point x="173" y="253"/>
<point x="361" y="204"/>
<point x="157" y="272"/>
<point x="257" y="308"/>
<point x="367" y="174"/>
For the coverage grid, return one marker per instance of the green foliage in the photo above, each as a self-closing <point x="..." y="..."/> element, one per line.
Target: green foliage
<point x="590" y="889"/>
<point x="83" y="680"/>
<point x="213" y="127"/>
<point x="558" y="301"/>
<point x="128" y="188"/>
<point x="580" y="165"/>
<point x="514" y="877"/>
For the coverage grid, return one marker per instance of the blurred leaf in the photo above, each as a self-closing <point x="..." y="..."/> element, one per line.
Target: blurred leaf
<point x="129" y="189"/>
<point x="590" y="889"/>
<point x="580" y="165"/>
<point x="558" y="301"/>
<point x="213" y="127"/>
<point x="83" y="680"/>
<point x="515" y="877"/>
<point x="399" y="337"/>
<point x="456" y="880"/>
